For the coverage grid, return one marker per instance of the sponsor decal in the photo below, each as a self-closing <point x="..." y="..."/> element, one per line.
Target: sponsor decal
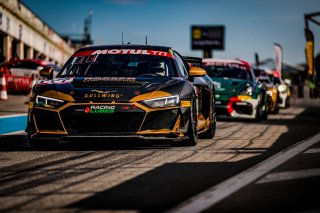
<point x="225" y="64"/>
<point x="100" y="109"/>
<point x="106" y="92"/>
<point x="55" y="81"/>
<point x="22" y="81"/>
<point x="103" y="95"/>
<point x="108" y="79"/>
<point x="133" y="52"/>
<point x="125" y="52"/>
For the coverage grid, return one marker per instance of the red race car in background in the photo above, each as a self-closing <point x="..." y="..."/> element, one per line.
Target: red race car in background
<point x="19" y="73"/>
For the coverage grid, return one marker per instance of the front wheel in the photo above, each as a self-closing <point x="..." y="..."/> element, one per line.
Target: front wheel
<point x="192" y="133"/>
<point x="210" y="133"/>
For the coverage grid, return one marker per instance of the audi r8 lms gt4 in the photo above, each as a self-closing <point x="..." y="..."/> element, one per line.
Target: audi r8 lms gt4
<point x="123" y="91"/>
<point x="283" y="88"/>
<point x="238" y="94"/>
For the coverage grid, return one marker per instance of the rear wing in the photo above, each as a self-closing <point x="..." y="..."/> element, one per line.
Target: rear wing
<point x="193" y="61"/>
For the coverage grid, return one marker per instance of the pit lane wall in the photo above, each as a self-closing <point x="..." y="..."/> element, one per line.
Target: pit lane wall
<point x="24" y="34"/>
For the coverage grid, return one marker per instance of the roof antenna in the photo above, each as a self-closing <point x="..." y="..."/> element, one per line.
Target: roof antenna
<point x="122" y="37"/>
<point x="146" y="40"/>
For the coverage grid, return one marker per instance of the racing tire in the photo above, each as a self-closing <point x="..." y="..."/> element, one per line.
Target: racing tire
<point x="210" y="133"/>
<point x="265" y="112"/>
<point x="192" y="133"/>
<point x="277" y="109"/>
<point x="258" y="117"/>
<point x="265" y="115"/>
<point x="287" y="105"/>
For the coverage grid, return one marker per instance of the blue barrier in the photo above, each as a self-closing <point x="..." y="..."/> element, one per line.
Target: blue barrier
<point x="10" y="124"/>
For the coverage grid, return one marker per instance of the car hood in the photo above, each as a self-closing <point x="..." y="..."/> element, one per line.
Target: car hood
<point x="229" y="86"/>
<point x="84" y="89"/>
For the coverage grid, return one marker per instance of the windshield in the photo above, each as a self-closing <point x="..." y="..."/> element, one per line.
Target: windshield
<point x="228" y="71"/>
<point x="118" y="65"/>
<point x="274" y="79"/>
<point x="264" y="80"/>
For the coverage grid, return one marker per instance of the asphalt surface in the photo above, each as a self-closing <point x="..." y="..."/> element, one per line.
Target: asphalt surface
<point x="16" y="104"/>
<point x="94" y="176"/>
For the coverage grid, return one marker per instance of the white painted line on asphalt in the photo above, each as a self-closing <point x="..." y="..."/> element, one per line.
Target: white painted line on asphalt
<point x="218" y="192"/>
<point x="312" y="151"/>
<point x="290" y="175"/>
<point x="12" y="116"/>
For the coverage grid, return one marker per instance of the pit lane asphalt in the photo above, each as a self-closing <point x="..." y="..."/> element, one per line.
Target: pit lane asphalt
<point x="85" y="176"/>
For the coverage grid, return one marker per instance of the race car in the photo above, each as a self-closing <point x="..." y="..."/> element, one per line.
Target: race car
<point x="272" y="90"/>
<point x="123" y="91"/>
<point x="238" y="94"/>
<point x="283" y="88"/>
<point x="19" y="73"/>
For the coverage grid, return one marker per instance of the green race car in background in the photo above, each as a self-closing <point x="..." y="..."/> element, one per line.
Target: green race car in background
<point x="238" y="94"/>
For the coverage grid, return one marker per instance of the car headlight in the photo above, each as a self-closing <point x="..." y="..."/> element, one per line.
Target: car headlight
<point x="248" y="91"/>
<point x="282" y="88"/>
<point x="169" y="101"/>
<point x="48" y="102"/>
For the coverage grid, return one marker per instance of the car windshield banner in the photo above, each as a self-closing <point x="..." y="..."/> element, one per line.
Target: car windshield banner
<point x="124" y="52"/>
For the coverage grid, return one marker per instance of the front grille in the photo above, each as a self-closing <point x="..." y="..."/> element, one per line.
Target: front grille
<point x="246" y="108"/>
<point x="160" y="120"/>
<point x="47" y="120"/>
<point x="108" y="123"/>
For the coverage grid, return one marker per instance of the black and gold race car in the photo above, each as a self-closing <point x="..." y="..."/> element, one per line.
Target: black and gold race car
<point x="123" y="91"/>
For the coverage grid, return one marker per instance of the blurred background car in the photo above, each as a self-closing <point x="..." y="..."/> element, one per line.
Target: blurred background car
<point x="238" y="94"/>
<point x="282" y="87"/>
<point x="19" y="74"/>
<point x="272" y="91"/>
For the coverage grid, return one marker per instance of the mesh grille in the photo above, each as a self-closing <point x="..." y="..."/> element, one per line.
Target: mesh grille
<point x="47" y="120"/>
<point x="77" y="123"/>
<point x="160" y="120"/>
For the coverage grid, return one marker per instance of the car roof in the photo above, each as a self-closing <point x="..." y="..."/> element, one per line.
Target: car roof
<point x="222" y="60"/>
<point x="37" y="61"/>
<point x="126" y="46"/>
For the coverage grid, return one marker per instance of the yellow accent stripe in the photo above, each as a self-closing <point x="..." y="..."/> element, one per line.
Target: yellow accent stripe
<point x="244" y="97"/>
<point x="158" y="131"/>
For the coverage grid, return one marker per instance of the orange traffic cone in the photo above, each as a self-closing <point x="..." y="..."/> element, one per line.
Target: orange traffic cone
<point x="3" y="87"/>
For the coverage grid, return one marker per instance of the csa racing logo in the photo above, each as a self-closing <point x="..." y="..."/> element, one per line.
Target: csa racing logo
<point x="100" y="109"/>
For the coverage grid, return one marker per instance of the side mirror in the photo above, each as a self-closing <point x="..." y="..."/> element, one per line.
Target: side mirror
<point x="197" y="72"/>
<point x="47" y="72"/>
